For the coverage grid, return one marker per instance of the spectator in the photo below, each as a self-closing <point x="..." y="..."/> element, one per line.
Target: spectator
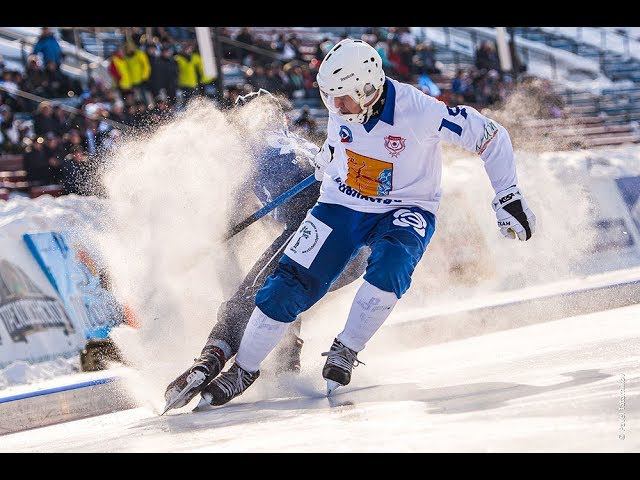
<point x="36" y="163"/>
<point x="461" y="88"/>
<point x="94" y="134"/>
<point x="8" y="133"/>
<point x="275" y="83"/>
<point x="6" y="117"/>
<point x="164" y="75"/>
<point x="289" y="50"/>
<point x="486" y="57"/>
<point x="323" y="48"/>
<point x="139" y="68"/>
<point x="8" y="82"/>
<point x="426" y="58"/>
<point x="44" y="121"/>
<point x="383" y="50"/>
<point x="257" y="78"/>
<point x="48" y="47"/>
<point x="55" y="83"/>
<point x="54" y="153"/>
<point x="370" y="37"/>
<point x="76" y="172"/>
<point x="190" y="71"/>
<point x="119" y="71"/>
<point x="405" y="37"/>
<point x="118" y="113"/>
<point x="296" y="82"/>
<point x="398" y="60"/>
<point x="72" y="140"/>
<point x="428" y="86"/>
<point x="245" y="36"/>
<point x="111" y="140"/>
<point x="278" y="43"/>
<point x="34" y="76"/>
<point x="62" y="120"/>
<point x="204" y="81"/>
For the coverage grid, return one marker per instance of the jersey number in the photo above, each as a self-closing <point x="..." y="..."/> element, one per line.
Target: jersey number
<point x="454" y="127"/>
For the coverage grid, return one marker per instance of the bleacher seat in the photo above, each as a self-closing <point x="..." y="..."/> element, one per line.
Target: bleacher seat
<point x="53" y="190"/>
<point x="9" y="162"/>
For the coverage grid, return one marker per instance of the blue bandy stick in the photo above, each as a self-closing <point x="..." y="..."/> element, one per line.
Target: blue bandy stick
<point x="276" y="202"/>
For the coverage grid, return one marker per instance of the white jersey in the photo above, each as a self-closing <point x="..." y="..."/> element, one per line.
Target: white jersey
<point x="395" y="160"/>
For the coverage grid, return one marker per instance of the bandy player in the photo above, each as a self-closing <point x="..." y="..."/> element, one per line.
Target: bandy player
<point x="380" y="168"/>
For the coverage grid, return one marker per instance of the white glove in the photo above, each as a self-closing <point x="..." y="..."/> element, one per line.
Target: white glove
<point x="322" y="159"/>
<point x="515" y="218"/>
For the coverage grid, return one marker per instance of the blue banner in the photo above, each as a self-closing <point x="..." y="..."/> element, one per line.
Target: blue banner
<point x="80" y="288"/>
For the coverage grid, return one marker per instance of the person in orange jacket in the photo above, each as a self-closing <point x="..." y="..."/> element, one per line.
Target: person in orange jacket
<point x="119" y="71"/>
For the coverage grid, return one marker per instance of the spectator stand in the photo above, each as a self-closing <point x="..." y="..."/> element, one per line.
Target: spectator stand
<point x="78" y="64"/>
<point x="612" y="115"/>
<point x="447" y="63"/>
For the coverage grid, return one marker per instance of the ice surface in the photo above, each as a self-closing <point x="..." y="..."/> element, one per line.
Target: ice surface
<point x="556" y="386"/>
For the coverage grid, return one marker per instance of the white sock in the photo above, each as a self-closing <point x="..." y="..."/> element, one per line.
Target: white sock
<point x="260" y="337"/>
<point x="369" y="310"/>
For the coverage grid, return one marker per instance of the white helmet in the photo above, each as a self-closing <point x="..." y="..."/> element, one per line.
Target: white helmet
<point x="354" y="68"/>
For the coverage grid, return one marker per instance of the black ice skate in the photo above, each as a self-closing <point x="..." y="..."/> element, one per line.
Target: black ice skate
<point x="227" y="386"/>
<point x="337" y="368"/>
<point x="206" y="367"/>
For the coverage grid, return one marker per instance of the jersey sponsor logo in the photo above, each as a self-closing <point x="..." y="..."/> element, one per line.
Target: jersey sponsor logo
<point x="490" y="131"/>
<point x="345" y="134"/>
<point x="395" y="145"/>
<point x="369" y="176"/>
<point x="506" y="198"/>
<point x="307" y="241"/>
<point x="352" y="192"/>
<point x="407" y="218"/>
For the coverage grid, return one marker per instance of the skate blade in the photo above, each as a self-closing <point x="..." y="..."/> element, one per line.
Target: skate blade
<point x="331" y="387"/>
<point x="197" y="379"/>
<point x="203" y="404"/>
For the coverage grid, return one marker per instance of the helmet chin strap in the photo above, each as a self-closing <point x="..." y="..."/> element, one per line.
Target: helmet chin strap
<point x="368" y="111"/>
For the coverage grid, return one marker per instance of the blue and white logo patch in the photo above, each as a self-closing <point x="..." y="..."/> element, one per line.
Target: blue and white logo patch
<point x="345" y="134"/>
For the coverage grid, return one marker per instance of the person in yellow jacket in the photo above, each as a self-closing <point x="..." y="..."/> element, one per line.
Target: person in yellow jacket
<point x="119" y="70"/>
<point x="138" y="63"/>
<point x="190" y="71"/>
<point x="139" y="69"/>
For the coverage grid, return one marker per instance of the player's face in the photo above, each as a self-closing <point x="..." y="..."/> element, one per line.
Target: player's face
<point x="346" y="105"/>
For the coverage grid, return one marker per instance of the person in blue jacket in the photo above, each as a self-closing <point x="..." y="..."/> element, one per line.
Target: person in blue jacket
<point x="277" y="168"/>
<point x="49" y="47"/>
